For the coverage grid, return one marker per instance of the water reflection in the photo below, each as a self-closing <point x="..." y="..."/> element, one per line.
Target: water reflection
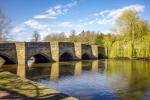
<point x="130" y="79"/>
<point x="95" y="66"/>
<point x="54" y="75"/>
<point x="78" y="69"/>
<point x="92" y="80"/>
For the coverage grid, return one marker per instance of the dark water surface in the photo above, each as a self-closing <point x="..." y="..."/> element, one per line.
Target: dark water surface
<point x="92" y="80"/>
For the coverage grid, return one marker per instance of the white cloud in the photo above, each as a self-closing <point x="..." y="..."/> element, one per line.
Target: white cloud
<point x="46" y="16"/>
<point x="35" y="24"/>
<point x="44" y="33"/>
<point x="43" y="29"/>
<point x="105" y="21"/>
<point x="65" y="24"/>
<point x="18" y="29"/>
<point x="109" y="16"/>
<point x="55" y="11"/>
<point x="116" y="13"/>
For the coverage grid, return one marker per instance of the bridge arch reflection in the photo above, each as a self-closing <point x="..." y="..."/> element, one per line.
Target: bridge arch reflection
<point x="58" y="70"/>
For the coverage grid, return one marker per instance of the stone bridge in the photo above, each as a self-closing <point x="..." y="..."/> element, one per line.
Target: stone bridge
<point x="21" y="52"/>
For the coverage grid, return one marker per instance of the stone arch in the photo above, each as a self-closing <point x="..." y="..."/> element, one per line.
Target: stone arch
<point x="8" y="59"/>
<point x="101" y="56"/>
<point x="101" y="53"/>
<point x="86" y="56"/>
<point x="66" y="56"/>
<point x="40" y="58"/>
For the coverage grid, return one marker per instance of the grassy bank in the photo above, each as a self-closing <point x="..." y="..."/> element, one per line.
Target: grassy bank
<point x="28" y="89"/>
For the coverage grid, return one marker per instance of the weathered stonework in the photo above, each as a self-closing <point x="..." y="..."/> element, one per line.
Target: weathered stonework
<point x="78" y="50"/>
<point x="67" y="48"/>
<point x="102" y="52"/>
<point x="55" y="51"/>
<point x="8" y="51"/>
<point x="21" y="52"/>
<point x="20" y="49"/>
<point x="87" y="50"/>
<point x="95" y="51"/>
<point x="38" y="48"/>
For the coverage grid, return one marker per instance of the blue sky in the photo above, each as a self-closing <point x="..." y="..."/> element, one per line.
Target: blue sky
<point x="52" y="16"/>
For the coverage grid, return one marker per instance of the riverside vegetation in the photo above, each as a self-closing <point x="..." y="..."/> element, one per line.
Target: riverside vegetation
<point x="129" y="37"/>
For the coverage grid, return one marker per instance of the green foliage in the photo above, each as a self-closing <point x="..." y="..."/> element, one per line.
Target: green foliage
<point x="131" y="26"/>
<point x="99" y="40"/>
<point x="55" y="37"/>
<point x="73" y="37"/>
<point x="133" y="38"/>
<point x="87" y="37"/>
<point x="83" y="37"/>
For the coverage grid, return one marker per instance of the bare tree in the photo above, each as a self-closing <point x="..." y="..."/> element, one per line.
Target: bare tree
<point x="36" y="37"/>
<point x="55" y="37"/>
<point x="4" y="22"/>
<point x="73" y="37"/>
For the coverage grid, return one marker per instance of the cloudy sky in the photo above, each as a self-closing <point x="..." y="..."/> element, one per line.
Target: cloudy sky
<point x="50" y="16"/>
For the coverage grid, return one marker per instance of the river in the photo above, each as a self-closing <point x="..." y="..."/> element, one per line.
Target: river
<point x="92" y="79"/>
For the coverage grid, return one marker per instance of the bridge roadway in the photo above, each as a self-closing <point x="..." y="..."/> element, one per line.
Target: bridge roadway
<point x="21" y="52"/>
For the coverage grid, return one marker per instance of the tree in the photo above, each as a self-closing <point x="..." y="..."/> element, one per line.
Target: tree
<point x="73" y="37"/>
<point x="55" y="37"/>
<point x="133" y="32"/>
<point x="4" y="22"/>
<point x="130" y="25"/>
<point x="87" y="37"/>
<point x="36" y="37"/>
<point x="99" y="40"/>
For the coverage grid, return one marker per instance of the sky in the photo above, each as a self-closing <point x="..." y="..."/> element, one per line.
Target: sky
<point x="54" y="16"/>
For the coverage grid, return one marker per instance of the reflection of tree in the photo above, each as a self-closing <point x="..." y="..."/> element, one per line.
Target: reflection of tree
<point x="130" y="79"/>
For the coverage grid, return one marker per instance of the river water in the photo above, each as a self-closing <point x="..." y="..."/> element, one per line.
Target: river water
<point x="92" y="79"/>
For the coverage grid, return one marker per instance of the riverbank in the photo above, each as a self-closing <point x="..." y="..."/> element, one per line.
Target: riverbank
<point x="126" y="58"/>
<point x="13" y="87"/>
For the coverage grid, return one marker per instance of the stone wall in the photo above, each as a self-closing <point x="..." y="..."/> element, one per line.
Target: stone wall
<point x="20" y="52"/>
<point x="8" y="52"/>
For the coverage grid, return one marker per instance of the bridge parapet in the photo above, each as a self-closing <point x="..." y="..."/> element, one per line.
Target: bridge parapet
<point x="21" y="52"/>
<point x="66" y="51"/>
<point x="40" y="50"/>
